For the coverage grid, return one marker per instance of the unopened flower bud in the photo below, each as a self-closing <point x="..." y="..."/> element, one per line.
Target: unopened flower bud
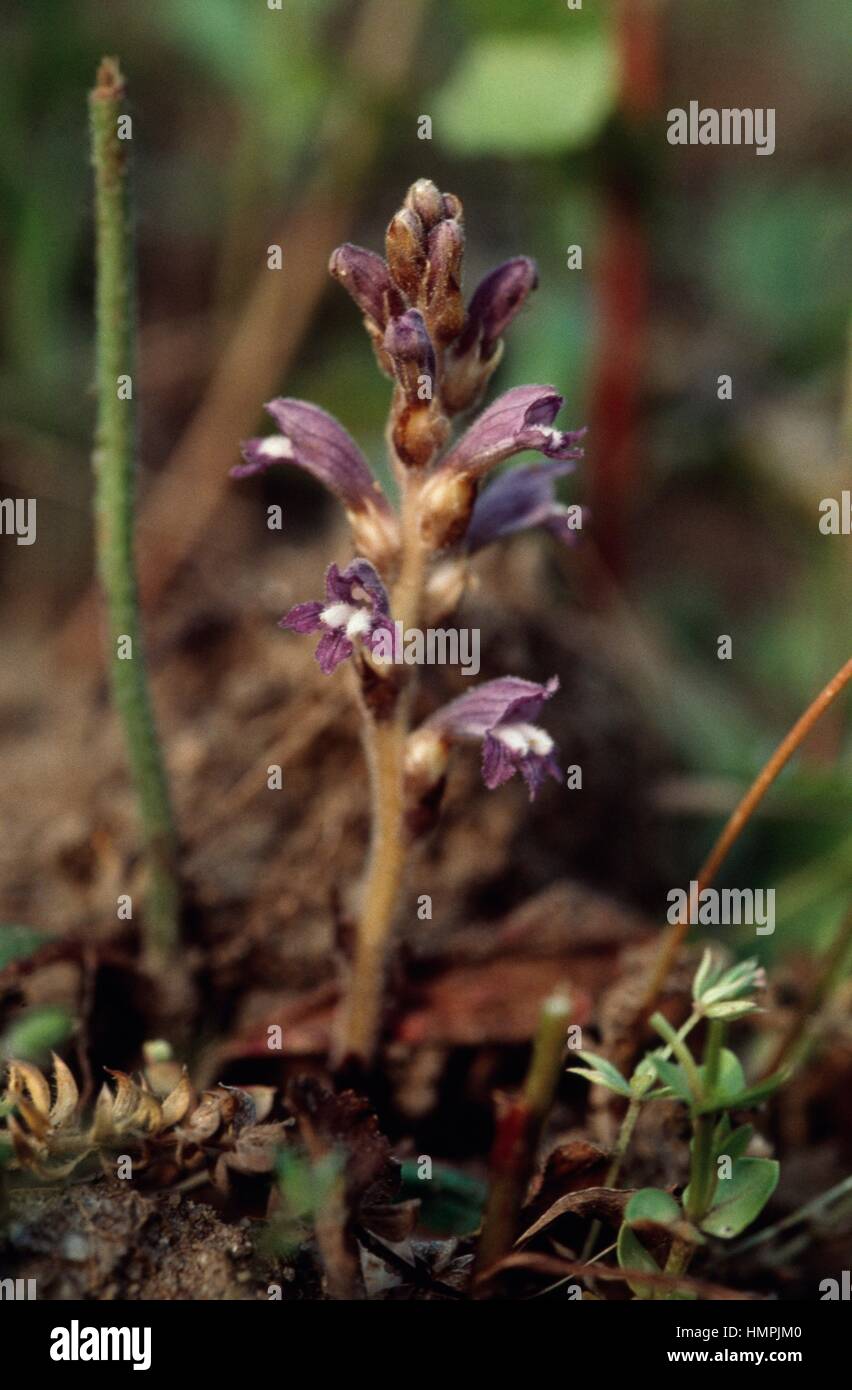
<point x="426" y="754"/>
<point x="409" y="347"/>
<point x="368" y="280"/>
<point x="426" y="757"/>
<point x="405" y="245"/>
<point x="446" y="504"/>
<point x="444" y="303"/>
<point x="445" y="587"/>
<point x="419" y="432"/>
<point x="496" y="301"/>
<point x="426" y="201"/>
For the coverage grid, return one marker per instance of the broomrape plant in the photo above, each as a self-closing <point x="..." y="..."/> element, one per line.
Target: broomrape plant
<point x="411" y="563"/>
<point x="727" y="1189"/>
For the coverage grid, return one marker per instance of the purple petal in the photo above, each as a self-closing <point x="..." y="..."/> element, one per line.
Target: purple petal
<point x="312" y="439"/>
<point x="409" y="347"/>
<point x="501" y="701"/>
<point x="304" y="617"/>
<point x="498" y="765"/>
<point x="367" y="278"/>
<point x="496" y="301"/>
<point x="332" y="648"/>
<point x="535" y="768"/>
<point x="380" y="625"/>
<point x="517" y="501"/>
<point x="340" y="585"/>
<point x="520" y="419"/>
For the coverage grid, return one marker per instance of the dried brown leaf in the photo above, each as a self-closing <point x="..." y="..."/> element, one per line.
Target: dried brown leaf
<point x="592" y="1203"/>
<point x="263" y="1098"/>
<point x="205" y="1119"/>
<point x="67" y="1095"/>
<point x="102" y="1122"/>
<point x="25" y="1079"/>
<point x="177" y="1102"/>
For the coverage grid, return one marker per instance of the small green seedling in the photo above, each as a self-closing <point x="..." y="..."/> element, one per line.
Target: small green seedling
<point x="727" y="1190"/>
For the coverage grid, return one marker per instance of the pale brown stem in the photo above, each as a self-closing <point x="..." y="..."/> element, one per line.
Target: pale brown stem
<point x="385" y="742"/>
<point x="407" y="600"/>
<point x="385" y="745"/>
<point x="674" y="938"/>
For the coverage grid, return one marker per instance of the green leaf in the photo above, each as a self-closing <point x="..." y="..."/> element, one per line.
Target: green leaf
<point x="528" y="95"/>
<point x="739" y="980"/>
<point x="730" y="1009"/>
<point x="733" y="1142"/>
<point x="18" y="942"/>
<point x="33" y="1037"/>
<point x="742" y="1197"/>
<point x="672" y="1076"/>
<point x="703" y="974"/>
<point x="651" y="1204"/>
<point x="633" y="1255"/>
<point x="602" y="1072"/>
<point x="730" y="1080"/>
<point x="751" y="1096"/>
<point x="451" y="1202"/>
<point x="597" y="1078"/>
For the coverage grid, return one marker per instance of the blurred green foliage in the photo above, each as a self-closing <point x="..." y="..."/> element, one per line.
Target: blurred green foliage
<point x="38" y="1032"/>
<point x="493" y="102"/>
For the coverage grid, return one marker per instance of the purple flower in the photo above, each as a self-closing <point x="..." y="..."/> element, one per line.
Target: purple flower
<point x="520" y="419"/>
<point x="496" y="301"/>
<point x="367" y="278"/>
<point x="502" y="714"/>
<point x="356" y="609"/>
<point x="312" y="439"/>
<point x="519" y="500"/>
<point x="408" y="345"/>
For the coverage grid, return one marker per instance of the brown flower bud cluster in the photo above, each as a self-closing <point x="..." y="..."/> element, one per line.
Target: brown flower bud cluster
<point x="440" y="356"/>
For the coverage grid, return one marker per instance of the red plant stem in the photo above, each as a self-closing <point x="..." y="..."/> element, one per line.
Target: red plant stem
<point x="617" y="385"/>
<point x="516" y="1140"/>
<point x="623" y="292"/>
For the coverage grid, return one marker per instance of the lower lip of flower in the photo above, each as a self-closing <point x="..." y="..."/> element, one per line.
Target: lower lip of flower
<point x="276" y="447"/>
<point x="355" y="622"/>
<point x="524" y="739"/>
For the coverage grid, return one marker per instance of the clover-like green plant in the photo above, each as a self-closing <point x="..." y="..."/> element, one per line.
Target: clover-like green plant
<point x="727" y="1189"/>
